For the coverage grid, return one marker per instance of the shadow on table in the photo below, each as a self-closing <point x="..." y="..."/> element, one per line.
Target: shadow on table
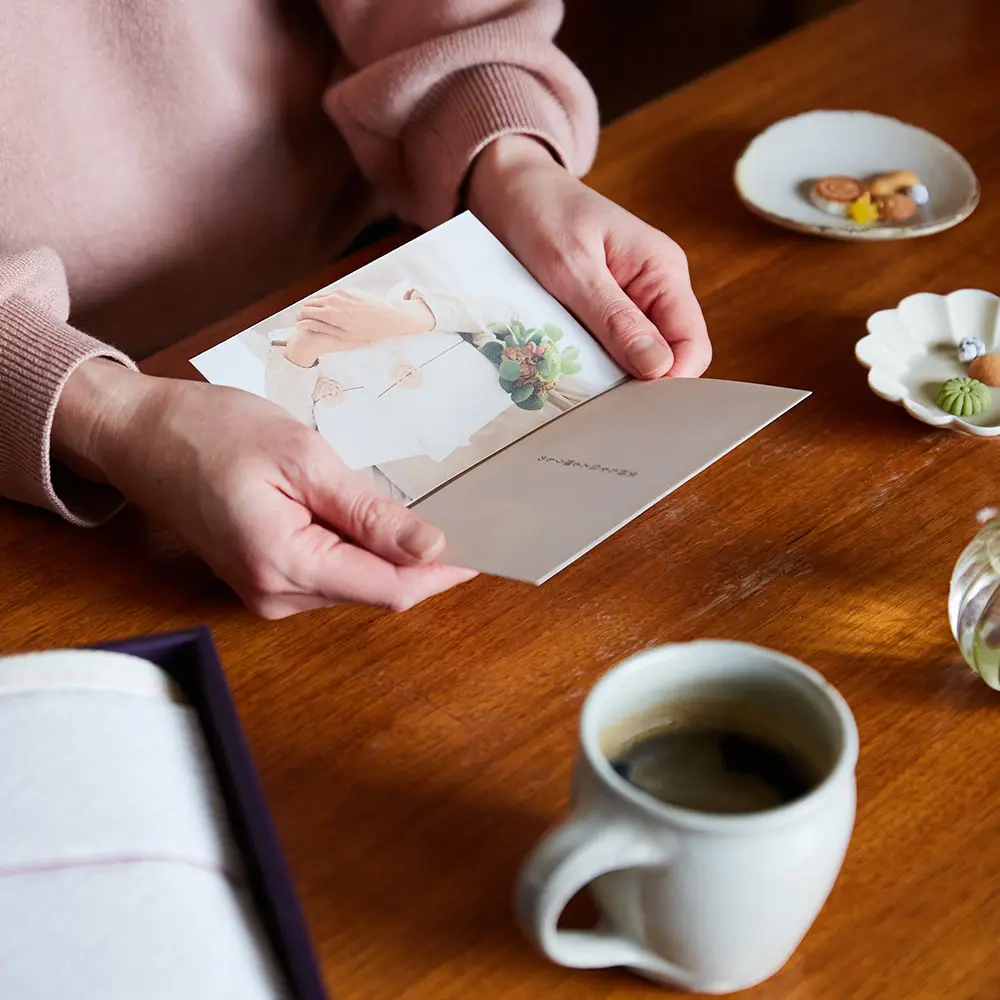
<point x="125" y="577"/>
<point x="690" y="184"/>
<point x="423" y="876"/>
<point x="939" y="680"/>
<point x="422" y="872"/>
<point x="156" y="568"/>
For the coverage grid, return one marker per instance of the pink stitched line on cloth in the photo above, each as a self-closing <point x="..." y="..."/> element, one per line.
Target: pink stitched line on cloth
<point x="109" y="862"/>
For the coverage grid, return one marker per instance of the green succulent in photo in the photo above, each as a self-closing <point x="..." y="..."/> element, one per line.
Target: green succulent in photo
<point x="509" y="369"/>
<point x="529" y="360"/>
<point x="533" y="402"/>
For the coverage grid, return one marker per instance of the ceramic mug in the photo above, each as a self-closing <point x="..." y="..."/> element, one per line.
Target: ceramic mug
<point x="708" y="902"/>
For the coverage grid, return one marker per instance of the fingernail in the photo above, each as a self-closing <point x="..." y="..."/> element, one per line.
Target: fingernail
<point x="420" y="540"/>
<point x="648" y="355"/>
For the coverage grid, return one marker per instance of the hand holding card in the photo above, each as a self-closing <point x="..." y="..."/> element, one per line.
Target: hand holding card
<point x="458" y="420"/>
<point x="627" y="281"/>
<point x="263" y="499"/>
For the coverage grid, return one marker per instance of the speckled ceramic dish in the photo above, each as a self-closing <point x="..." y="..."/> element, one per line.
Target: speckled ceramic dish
<point x="779" y="167"/>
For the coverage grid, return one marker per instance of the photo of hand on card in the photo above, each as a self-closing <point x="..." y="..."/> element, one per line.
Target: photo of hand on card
<point x="436" y="356"/>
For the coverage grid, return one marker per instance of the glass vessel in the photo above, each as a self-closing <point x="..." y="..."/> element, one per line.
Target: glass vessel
<point x="974" y="601"/>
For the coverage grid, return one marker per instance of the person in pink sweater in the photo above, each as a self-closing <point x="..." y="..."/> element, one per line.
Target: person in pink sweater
<point x="168" y="161"/>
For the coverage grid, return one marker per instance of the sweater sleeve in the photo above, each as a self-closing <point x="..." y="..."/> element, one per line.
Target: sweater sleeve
<point x="291" y="387"/>
<point x="471" y="318"/>
<point x="435" y="81"/>
<point x="39" y="351"/>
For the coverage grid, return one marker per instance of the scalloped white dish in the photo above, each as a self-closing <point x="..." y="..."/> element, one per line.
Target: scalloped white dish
<point x="911" y="350"/>
<point x="778" y="168"/>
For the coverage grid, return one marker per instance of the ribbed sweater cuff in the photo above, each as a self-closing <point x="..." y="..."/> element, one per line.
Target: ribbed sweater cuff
<point x="474" y="107"/>
<point x="37" y="356"/>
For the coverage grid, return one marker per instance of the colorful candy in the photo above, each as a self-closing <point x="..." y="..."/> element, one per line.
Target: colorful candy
<point x="836" y="194"/>
<point x="898" y="180"/>
<point x="969" y="349"/>
<point x="895" y="207"/>
<point x="986" y="368"/>
<point x="892" y="197"/>
<point x="963" y="397"/>
<point x="864" y="211"/>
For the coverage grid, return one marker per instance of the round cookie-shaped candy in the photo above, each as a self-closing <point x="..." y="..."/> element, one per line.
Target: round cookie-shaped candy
<point x="963" y="397"/>
<point x="835" y="194"/>
<point x="895" y="207"/>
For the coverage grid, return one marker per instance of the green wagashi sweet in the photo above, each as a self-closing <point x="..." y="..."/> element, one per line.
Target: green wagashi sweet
<point x="963" y="397"/>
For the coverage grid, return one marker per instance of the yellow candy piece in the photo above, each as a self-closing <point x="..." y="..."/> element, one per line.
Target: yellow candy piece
<point x="864" y="210"/>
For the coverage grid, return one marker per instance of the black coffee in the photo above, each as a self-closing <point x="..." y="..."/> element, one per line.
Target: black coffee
<point x="714" y="770"/>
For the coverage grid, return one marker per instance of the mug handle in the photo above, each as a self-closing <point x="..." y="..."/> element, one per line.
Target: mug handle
<point x="569" y="858"/>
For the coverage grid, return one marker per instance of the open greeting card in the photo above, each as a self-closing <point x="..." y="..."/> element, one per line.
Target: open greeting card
<point x="449" y="376"/>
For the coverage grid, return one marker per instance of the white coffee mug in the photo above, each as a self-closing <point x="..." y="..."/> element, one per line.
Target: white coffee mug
<point x="709" y="902"/>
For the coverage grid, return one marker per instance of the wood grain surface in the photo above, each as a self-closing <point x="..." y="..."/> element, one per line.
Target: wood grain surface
<point x="412" y="760"/>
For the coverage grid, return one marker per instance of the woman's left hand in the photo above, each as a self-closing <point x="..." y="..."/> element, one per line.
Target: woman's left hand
<point x="627" y="282"/>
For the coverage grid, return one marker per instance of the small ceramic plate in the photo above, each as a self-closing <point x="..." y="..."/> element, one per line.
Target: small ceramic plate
<point x="912" y="349"/>
<point x="778" y="169"/>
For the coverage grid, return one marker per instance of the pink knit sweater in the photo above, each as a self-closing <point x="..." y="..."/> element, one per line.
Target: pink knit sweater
<point x="165" y="161"/>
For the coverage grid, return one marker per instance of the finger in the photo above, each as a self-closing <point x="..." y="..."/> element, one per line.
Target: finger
<point x="319" y="328"/>
<point x="678" y="316"/>
<point x="276" y="606"/>
<point x="353" y="508"/>
<point x="312" y="307"/>
<point x="338" y="300"/>
<point x="320" y="315"/>
<point x="339" y="582"/>
<point x="328" y="325"/>
<point x="340" y="572"/>
<point x="630" y="337"/>
<point x="320" y="299"/>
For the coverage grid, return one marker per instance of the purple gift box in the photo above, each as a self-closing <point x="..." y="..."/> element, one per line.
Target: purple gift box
<point x="191" y="660"/>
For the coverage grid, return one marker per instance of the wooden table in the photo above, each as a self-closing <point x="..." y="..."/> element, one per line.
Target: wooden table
<point x="411" y="761"/>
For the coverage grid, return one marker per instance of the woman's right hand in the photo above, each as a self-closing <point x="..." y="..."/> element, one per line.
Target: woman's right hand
<point x="259" y="496"/>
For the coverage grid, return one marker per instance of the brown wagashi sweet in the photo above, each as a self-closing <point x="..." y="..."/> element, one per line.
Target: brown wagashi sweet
<point x="895" y="207"/>
<point x="986" y="369"/>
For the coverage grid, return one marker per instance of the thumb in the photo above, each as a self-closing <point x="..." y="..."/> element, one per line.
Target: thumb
<point x="356" y="510"/>
<point x="621" y="326"/>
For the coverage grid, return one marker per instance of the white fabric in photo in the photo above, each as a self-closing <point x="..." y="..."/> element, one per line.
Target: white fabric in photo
<point x="451" y="391"/>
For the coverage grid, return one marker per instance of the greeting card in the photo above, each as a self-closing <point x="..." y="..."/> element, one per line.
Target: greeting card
<point x="448" y="375"/>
